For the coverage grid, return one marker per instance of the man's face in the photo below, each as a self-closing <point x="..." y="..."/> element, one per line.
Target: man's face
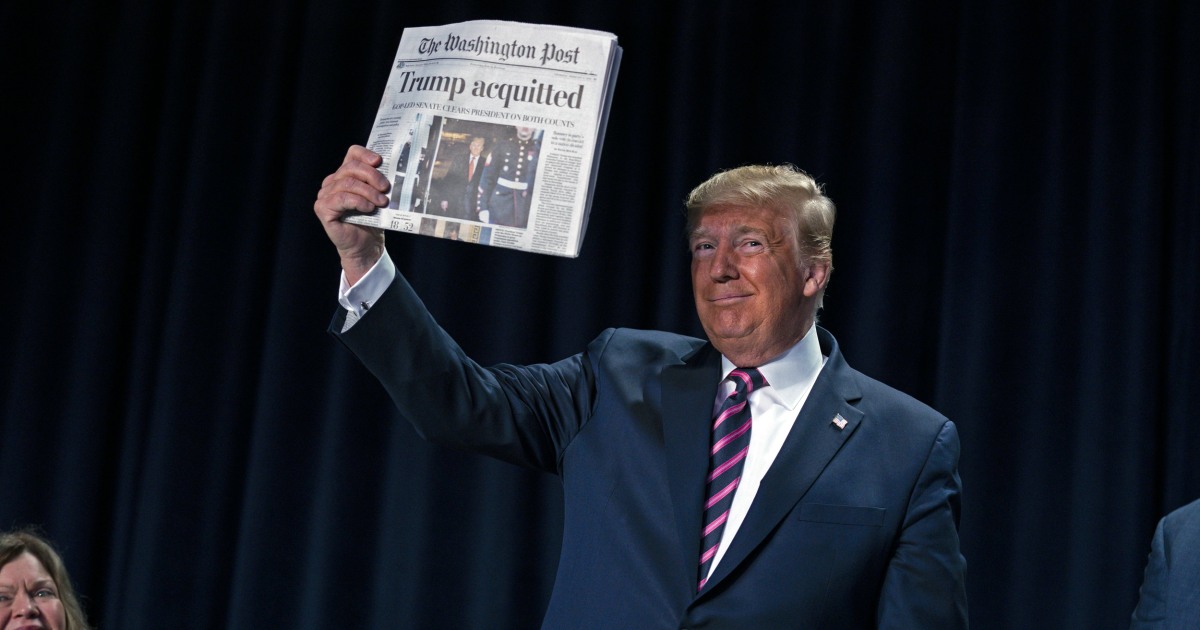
<point x="476" y="146"/>
<point x="524" y="133"/>
<point x="754" y="298"/>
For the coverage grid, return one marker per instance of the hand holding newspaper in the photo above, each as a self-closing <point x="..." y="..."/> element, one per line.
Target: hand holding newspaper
<point x="491" y="133"/>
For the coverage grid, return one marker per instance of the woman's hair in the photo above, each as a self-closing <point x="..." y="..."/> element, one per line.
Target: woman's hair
<point x="15" y="543"/>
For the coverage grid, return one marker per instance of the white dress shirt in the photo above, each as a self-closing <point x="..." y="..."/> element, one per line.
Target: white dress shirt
<point x="774" y="409"/>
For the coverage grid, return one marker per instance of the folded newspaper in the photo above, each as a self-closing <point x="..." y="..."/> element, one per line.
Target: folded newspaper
<point x="491" y="132"/>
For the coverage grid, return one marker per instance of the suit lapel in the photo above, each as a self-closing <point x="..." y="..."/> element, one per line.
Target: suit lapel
<point x="813" y="441"/>
<point x="688" y="394"/>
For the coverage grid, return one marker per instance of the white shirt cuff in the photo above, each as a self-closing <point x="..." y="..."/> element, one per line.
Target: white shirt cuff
<point x="358" y="299"/>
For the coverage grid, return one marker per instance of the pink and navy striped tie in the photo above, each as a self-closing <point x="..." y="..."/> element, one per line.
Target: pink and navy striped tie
<point x="730" y="441"/>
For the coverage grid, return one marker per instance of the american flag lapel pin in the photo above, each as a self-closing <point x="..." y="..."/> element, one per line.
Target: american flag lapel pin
<point x="839" y="422"/>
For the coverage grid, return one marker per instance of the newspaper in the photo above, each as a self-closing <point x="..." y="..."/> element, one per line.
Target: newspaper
<point x="491" y="131"/>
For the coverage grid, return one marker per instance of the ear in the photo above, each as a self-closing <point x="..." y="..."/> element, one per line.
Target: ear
<point x="816" y="276"/>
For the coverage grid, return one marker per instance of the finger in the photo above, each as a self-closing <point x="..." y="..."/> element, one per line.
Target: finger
<point x="362" y="154"/>
<point x="339" y="196"/>
<point x="360" y="171"/>
<point x="332" y="206"/>
<point x="356" y="177"/>
<point x="354" y="185"/>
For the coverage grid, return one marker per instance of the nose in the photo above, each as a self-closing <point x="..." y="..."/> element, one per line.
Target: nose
<point x="722" y="266"/>
<point x="25" y="606"/>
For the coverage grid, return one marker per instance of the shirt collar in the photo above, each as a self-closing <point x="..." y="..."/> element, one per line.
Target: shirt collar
<point x="792" y="373"/>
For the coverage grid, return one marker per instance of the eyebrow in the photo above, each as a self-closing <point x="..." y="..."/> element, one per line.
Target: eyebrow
<point x="39" y="583"/>
<point x="740" y="230"/>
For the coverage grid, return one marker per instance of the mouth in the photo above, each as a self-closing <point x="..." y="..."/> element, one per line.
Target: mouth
<point x="723" y="300"/>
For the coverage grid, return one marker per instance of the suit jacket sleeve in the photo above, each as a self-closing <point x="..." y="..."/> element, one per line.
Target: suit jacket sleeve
<point x="925" y="582"/>
<point x="1151" y="608"/>
<point x="1170" y="594"/>
<point x="521" y="414"/>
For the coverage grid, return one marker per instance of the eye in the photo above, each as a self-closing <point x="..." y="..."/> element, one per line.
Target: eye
<point x="701" y="247"/>
<point x="44" y="592"/>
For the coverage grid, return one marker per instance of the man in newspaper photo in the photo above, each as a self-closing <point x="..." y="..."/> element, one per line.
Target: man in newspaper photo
<point x="507" y="185"/>
<point x="752" y="479"/>
<point x="469" y="167"/>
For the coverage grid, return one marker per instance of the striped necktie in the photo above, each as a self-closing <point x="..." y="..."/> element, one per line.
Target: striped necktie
<point x="730" y="441"/>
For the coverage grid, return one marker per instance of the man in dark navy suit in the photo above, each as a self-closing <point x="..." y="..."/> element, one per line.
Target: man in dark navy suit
<point x="462" y="181"/>
<point x="845" y="503"/>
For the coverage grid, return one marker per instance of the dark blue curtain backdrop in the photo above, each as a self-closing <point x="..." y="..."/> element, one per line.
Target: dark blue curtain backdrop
<point x="1018" y="245"/>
